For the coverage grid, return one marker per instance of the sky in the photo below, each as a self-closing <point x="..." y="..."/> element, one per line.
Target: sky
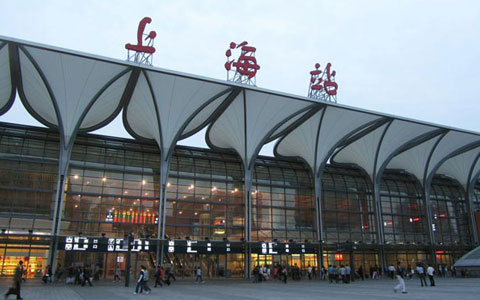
<point x="415" y="59"/>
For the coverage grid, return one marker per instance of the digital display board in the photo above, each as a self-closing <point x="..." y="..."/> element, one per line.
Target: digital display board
<point x="106" y="244"/>
<point x="274" y="248"/>
<point x="80" y="243"/>
<point x="131" y="217"/>
<point x="204" y="247"/>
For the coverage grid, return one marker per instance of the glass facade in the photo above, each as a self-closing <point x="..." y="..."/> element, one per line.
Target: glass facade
<point x="449" y="211"/>
<point x="347" y="206"/>
<point x="112" y="190"/>
<point x="283" y="205"/>
<point x="403" y="212"/>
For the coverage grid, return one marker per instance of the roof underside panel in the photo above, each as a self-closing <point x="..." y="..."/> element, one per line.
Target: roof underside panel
<point x="453" y="141"/>
<point x="459" y="166"/>
<point x="414" y="160"/>
<point x="278" y="132"/>
<point x="75" y="82"/>
<point x="141" y="114"/>
<point x="261" y="114"/>
<point x="362" y="151"/>
<point x="338" y="124"/>
<point x="228" y="131"/>
<point x="34" y="88"/>
<point x="265" y="113"/>
<point x="111" y="97"/>
<point x="301" y="141"/>
<point x="6" y="86"/>
<point x="198" y="120"/>
<point x="178" y="100"/>
<point x="398" y="134"/>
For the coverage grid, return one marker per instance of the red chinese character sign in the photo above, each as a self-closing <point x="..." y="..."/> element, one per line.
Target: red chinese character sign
<point x="245" y="67"/>
<point x="142" y="53"/>
<point x="322" y="84"/>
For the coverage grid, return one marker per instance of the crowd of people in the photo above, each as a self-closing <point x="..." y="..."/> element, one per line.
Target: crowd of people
<point x="335" y="274"/>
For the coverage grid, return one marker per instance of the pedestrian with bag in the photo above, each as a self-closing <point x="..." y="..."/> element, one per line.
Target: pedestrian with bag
<point x="401" y="281"/>
<point x="17" y="281"/>
<point x="141" y="282"/>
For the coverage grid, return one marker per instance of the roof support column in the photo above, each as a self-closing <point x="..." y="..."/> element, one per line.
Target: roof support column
<point x="472" y="180"/>
<point x="162" y="215"/>
<point x="63" y="163"/>
<point x="428" y="213"/>
<point x="379" y="218"/>
<point x="471" y="216"/>
<point x="319" y="219"/>
<point x="248" y="221"/>
<point x="377" y="181"/>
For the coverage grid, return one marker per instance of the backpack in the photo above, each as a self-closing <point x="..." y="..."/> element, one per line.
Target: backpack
<point x="145" y="275"/>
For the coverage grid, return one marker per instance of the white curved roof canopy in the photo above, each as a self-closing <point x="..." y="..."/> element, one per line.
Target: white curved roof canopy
<point x="374" y="150"/>
<point x="76" y="92"/>
<point x="424" y="159"/>
<point x="315" y="139"/>
<point x="462" y="167"/>
<point x="59" y="89"/>
<point x="162" y="105"/>
<point x="250" y="120"/>
<point x="7" y="89"/>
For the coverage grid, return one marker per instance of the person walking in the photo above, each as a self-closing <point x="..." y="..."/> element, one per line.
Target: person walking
<point x="375" y="274"/>
<point x="58" y="273"/>
<point x="117" y="273"/>
<point x="17" y="282"/>
<point x="199" y="278"/>
<point x="145" y="286"/>
<point x="309" y="272"/>
<point x="170" y="274"/>
<point x="331" y="273"/>
<point x="360" y="273"/>
<point x="421" y="275"/>
<point x="86" y="276"/>
<point x="323" y="274"/>
<point x="348" y="274"/>
<point x="430" y="272"/>
<point x="401" y="281"/>
<point x="140" y="282"/>
<point x="391" y="271"/>
<point x="159" y="275"/>
<point x="284" y="274"/>
<point x="343" y="273"/>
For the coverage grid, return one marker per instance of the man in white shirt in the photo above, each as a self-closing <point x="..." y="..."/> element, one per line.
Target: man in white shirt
<point x="421" y="275"/>
<point x="430" y="272"/>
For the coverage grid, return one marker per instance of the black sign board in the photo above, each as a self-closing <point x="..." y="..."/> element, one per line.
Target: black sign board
<point x="118" y="245"/>
<point x="274" y="248"/>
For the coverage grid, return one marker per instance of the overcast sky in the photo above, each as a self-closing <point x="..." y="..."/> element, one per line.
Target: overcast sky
<point x="416" y="59"/>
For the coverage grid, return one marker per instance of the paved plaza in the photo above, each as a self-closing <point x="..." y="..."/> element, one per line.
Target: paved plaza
<point x="448" y="289"/>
